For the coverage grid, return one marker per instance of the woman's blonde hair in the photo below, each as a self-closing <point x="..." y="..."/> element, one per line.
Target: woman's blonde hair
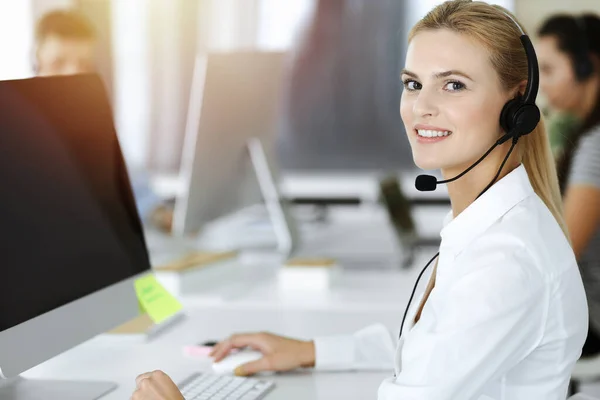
<point x="501" y="37"/>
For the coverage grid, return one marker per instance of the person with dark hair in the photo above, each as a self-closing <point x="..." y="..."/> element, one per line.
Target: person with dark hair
<point x="569" y="52"/>
<point x="65" y="44"/>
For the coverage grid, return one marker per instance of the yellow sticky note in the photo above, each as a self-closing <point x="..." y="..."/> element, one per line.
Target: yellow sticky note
<point x="155" y="300"/>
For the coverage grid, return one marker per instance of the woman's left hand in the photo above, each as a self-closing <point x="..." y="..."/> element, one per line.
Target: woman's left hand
<point x="156" y="386"/>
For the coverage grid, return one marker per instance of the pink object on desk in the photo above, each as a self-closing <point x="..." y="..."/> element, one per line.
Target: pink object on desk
<point x="197" y="351"/>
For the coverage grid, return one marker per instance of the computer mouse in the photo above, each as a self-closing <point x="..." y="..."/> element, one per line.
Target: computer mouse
<point x="234" y="360"/>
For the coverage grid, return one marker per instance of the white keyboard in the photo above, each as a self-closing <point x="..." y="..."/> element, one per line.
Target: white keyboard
<point x="224" y="387"/>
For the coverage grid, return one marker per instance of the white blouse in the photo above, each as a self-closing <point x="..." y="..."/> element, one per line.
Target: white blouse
<point x="507" y="317"/>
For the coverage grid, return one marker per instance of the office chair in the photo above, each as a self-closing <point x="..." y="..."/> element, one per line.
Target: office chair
<point x="581" y="396"/>
<point x="586" y="370"/>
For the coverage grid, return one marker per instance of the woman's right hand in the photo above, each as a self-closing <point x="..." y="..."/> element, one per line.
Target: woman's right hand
<point x="279" y="353"/>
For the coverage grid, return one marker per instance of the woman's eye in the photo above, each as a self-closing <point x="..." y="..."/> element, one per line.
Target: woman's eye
<point x="454" y="86"/>
<point x="411" y="85"/>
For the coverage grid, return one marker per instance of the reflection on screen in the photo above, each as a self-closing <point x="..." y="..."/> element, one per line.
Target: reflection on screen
<point x="68" y="221"/>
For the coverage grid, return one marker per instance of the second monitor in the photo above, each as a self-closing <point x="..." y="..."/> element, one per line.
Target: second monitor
<point x="234" y="113"/>
<point x="234" y="97"/>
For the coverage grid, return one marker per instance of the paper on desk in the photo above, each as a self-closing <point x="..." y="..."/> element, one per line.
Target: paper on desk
<point x="155" y="300"/>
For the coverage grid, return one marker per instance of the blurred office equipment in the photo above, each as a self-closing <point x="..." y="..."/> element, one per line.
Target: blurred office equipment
<point x="73" y="244"/>
<point x="228" y="164"/>
<point x="341" y="119"/>
<point x="72" y="241"/>
<point x="586" y="371"/>
<point x="342" y="98"/>
<point x="235" y="96"/>
<point x="581" y="396"/>
<point x="297" y="243"/>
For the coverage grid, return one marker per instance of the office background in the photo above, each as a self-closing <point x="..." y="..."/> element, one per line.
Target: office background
<point x="147" y="50"/>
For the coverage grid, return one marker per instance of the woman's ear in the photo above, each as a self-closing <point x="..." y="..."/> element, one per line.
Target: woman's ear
<point x="520" y="90"/>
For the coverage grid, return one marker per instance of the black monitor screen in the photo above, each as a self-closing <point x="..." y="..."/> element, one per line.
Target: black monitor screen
<point x="68" y="221"/>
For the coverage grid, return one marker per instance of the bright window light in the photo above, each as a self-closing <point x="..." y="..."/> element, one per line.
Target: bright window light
<point x="16" y="39"/>
<point x="281" y="21"/>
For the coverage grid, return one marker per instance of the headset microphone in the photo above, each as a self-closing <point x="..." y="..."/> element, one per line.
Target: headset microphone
<point x="428" y="183"/>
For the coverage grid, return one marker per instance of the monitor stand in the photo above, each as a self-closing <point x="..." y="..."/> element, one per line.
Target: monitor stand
<point x="34" y="389"/>
<point x="286" y="231"/>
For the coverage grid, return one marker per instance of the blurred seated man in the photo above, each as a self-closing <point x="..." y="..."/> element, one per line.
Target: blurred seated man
<point x="65" y="43"/>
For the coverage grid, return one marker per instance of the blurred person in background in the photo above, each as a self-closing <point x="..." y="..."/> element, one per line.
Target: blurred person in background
<point x="65" y="44"/>
<point x="566" y="73"/>
<point x="569" y="52"/>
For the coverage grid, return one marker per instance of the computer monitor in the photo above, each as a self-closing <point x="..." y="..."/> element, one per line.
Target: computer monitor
<point x="72" y="241"/>
<point x="235" y="96"/>
<point x="228" y="155"/>
<point x="292" y="244"/>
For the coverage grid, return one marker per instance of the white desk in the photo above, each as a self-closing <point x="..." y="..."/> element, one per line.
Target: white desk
<point x="107" y="359"/>
<point x="259" y="288"/>
<point x="353" y="230"/>
<point x="252" y="302"/>
<point x="256" y="285"/>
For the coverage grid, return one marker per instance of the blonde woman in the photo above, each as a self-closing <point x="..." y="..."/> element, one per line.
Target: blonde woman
<point x="504" y="316"/>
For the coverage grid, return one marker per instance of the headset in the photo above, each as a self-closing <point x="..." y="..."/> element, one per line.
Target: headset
<point x="518" y="117"/>
<point x="582" y="64"/>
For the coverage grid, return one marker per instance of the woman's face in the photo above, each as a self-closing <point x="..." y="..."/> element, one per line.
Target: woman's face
<point x="557" y="77"/>
<point x="451" y="101"/>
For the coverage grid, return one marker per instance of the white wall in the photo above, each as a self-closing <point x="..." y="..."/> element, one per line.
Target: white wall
<point x="280" y="22"/>
<point x="230" y="24"/>
<point x="263" y="24"/>
<point x="132" y="85"/>
<point x="151" y="63"/>
<point x="16" y="39"/>
<point x="41" y="7"/>
<point x="174" y="37"/>
<point x="17" y="25"/>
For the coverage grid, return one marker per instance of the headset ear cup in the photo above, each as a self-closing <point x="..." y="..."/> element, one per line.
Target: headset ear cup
<point x="519" y="118"/>
<point x="526" y="119"/>
<point x="507" y="116"/>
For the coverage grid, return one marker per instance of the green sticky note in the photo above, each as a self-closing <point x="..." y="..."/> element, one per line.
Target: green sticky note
<point x="155" y="300"/>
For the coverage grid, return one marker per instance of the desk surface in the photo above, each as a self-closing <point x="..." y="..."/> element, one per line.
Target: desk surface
<point x="264" y="288"/>
<point x="253" y="301"/>
<point x="361" y="230"/>
<point x="119" y="361"/>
